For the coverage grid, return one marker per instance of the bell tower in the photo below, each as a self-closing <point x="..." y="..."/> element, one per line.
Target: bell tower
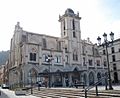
<point x="70" y="32"/>
<point x="70" y="24"/>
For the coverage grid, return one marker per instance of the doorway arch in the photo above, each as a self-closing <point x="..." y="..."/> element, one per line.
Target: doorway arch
<point x="32" y="75"/>
<point x="91" y="78"/>
<point x="99" y="78"/>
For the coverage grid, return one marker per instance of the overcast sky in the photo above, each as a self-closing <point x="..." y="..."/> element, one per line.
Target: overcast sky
<point x="41" y="16"/>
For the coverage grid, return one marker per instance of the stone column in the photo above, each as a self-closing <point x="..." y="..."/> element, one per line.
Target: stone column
<point x="70" y="79"/>
<point x="63" y="81"/>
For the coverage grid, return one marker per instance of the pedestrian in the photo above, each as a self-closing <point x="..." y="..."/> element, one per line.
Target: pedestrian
<point x="39" y="85"/>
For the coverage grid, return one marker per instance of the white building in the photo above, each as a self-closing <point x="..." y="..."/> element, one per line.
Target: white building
<point x="114" y="59"/>
<point x="71" y="58"/>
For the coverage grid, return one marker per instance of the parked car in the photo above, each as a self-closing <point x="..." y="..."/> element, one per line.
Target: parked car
<point x="5" y="86"/>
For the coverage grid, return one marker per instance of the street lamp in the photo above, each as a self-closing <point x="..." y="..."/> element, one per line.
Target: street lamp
<point x="31" y="82"/>
<point x="49" y="59"/>
<point x="106" y="44"/>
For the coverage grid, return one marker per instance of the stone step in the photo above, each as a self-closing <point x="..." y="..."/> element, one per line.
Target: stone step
<point x="75" y="93"/>
<point x="79" y="93"/>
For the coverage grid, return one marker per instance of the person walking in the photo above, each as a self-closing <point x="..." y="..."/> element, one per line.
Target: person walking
<point x="39" y="85"/>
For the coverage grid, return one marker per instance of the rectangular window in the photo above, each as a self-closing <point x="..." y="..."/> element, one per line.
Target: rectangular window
<point x="74" y="35"/>
<point x="114" y="67"/>
<point x="90" y="62"/>
<point x="104" y="52"/>
<point x="45" y="58"/>
<point x="113" y="58"/>
<point x="32" y="56"/>
<point x="44" y="43"/>
<point x="65" y="50"/>
<point x="98" y="62"/>
<point x="73" y="23"/>
<point x="64" y="25"/>
<point x="66" y="58"/>
<point x="119" y="50"/>
<point x="84" y="61"/>
<point x="75" y="57"/>
<point x="105" y="63"/>
<point x="112" y="50"/>
<point x="57" y="59"/>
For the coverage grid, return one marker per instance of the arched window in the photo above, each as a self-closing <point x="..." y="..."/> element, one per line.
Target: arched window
<point x="44" y="43"/>
<point x="91" y="78"/>
<point x="73" y="24"/>
<point x="75" y="56"/>
<point x="32" y="56"/>
<point x="64" y="25"/>
<point x="57" y="59"/>
<point x="99" y="78"/>
<point x="32" y="75"/>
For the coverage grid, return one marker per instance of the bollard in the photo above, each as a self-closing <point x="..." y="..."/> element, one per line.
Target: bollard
<point x="85" y="93"/>
<point x="96" y="90"/>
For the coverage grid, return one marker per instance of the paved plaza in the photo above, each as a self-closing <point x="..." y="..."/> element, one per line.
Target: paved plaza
<point x="64" y="93"/>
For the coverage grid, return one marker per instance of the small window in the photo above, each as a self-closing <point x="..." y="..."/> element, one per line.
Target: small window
<point x="98" y="62"/>
<point x="73" y="23"/>
<point x="74" y="35"/>
<point x="105" y="63"/>
<point x="112" y="50"/>
<point x="90" y="62"/>
<point x="44" y="57"/>
<point x="84" y="61"/>
<point x="57" y="59"/>
<point x="64" y="25"/>
<point x="32" y="56"/>
<point x="44" y="43"/>
<point x="104" y="52"/>
<point x="65" y="50"/>
<point x="75" y="56"/>
<point x="113" y="58"/>
<point x="119" y="50"/>
<point x="114" y="67"/>
<point x="66" y="58"/>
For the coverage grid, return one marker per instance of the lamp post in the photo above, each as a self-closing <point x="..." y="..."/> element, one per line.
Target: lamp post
<point x="30" y="75"/>
<point x="49" y="58"/>
<point x="106" y="44"/>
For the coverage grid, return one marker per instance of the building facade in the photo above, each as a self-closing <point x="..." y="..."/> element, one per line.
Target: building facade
<point x="60" y="60"/>
<point x="114" y="59"/>
<point x="2" y="74"/>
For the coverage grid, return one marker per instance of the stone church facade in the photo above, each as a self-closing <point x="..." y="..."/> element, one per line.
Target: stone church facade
<point x="60" y="60"/>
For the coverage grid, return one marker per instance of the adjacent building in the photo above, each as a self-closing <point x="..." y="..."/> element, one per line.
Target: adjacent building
<point x="60" y="60"/>
<point x="2" y="71"/>
<point x="114" y="59"/>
